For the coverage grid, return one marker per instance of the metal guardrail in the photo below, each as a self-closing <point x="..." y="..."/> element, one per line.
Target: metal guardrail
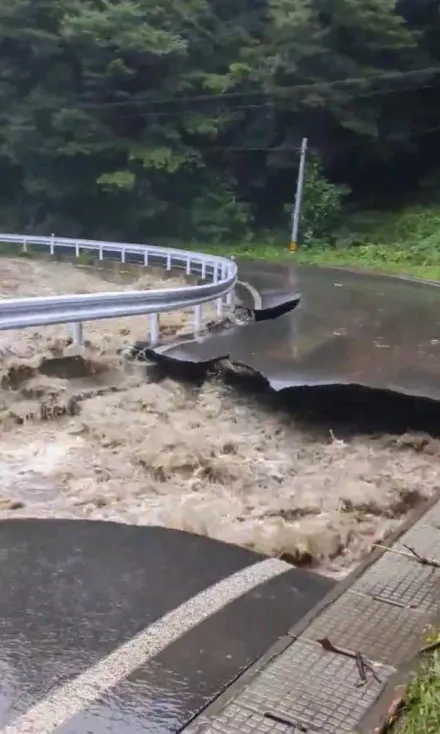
<point x="220" y="272"/>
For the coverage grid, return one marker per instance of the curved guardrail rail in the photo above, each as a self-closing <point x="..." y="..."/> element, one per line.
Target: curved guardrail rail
<point x="220" y="272"/>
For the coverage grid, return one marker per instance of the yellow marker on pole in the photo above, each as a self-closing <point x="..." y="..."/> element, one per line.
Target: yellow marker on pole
<point x="292" y="247"/>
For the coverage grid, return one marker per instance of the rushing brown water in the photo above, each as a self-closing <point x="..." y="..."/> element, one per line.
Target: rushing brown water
<point x="114" y="443"/>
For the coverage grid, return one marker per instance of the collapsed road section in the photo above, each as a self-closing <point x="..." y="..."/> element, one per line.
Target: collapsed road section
<point x="338" y="328"/>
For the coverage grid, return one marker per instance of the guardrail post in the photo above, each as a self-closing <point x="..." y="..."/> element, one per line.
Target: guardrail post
<point x="123" y="255"/>
<point x="154" y="329"/>
<point x="188" y="265"/>
<point x="197" y="318"/>
<point x="204" y="270"/>
<point x="24" y="245"/>
<point x="230" y="298"/>
<point x="52" y="244"/>
<point x="101" y="252"/>
<point x="219" y="306"/>
<point x="146" y="258"/>
<point x="77" y="333"/>
<point x="169" y="261"/>
<point x="76" y="249"/>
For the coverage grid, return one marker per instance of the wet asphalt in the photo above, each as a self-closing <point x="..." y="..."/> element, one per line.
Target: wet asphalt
<point x="74" y="592"/>
<point x="343" y="328"/>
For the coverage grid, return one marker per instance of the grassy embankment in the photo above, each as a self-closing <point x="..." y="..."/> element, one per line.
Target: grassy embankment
<point x="421" y="711"/>
<point x="405" y="242"/>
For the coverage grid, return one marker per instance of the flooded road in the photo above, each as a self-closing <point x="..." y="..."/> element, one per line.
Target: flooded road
<point x="114" y="443"/>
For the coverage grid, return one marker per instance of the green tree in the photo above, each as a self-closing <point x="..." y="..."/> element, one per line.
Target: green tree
<point x="322" y="205"/>
<point x="182" y="118"/>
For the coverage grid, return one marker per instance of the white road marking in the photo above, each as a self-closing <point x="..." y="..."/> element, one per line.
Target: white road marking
<point x="258" y="301"/>
<point x="77" y="694"/>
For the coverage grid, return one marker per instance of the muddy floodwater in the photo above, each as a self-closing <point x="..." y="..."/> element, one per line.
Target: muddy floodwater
<point x="114" y="442"/>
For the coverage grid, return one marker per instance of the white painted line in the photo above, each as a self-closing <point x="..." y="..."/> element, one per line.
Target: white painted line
<point x="77" y="694"/>
<point x="258" y="301"/>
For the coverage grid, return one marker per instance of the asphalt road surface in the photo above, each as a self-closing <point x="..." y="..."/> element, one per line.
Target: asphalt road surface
<point x="107" y="627"/>
<point x="348" y="328"/>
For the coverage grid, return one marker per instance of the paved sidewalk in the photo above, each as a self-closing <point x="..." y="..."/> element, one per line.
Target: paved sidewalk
<point x="375" y="619"/>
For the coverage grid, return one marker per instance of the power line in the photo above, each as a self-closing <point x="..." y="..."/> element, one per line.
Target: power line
<point x="269" y="104"/>
<point x="282" y="148"/>
<point x="294" y="149"/>
<point x="153" y="114"/>
<point x="294" y="87"/>
<point x="419" y="132"/>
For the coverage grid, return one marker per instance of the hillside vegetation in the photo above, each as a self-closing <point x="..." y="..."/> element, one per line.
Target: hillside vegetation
<point x="183" y="119"/>
<point x="403" y="241"/>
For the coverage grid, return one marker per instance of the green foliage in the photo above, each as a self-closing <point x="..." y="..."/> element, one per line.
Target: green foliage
<point x="218" y="216"/>
<point x="404" y="242"/>
<point x="412" y="235"/>
<point x="322" y="205"/>
<point x="134" y="118"/>
<point x="117" y="180"/>
<point x="421" y="712"/>
<point x="85" y="258"/>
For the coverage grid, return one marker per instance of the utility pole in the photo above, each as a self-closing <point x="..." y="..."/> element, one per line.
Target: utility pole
<point x="299" y="190"/>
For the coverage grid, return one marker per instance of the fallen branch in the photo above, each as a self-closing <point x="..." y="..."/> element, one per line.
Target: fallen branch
<point x="392" y="550"/>
<point x="364" y="666"/>
<point x="423" y="560"/>
<point x="286" y="721"/>
<point x="413" y="555"/>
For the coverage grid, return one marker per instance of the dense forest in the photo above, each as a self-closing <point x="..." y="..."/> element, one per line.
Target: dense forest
<point x="184" y="118"/>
